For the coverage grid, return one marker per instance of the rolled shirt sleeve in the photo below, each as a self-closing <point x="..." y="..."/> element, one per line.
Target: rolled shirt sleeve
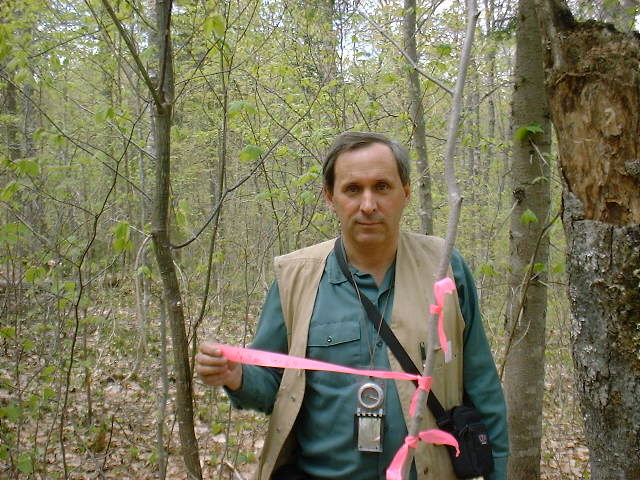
<point x="260" y="385"/>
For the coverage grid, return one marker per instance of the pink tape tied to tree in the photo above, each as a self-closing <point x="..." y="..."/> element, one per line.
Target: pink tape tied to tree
<point x="440" y="289"/>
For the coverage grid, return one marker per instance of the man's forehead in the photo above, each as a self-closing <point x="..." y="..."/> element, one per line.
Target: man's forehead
<point x="358" y="164"/>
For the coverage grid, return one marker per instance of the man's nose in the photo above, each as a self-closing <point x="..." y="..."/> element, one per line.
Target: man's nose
<point x="368" y="203"/>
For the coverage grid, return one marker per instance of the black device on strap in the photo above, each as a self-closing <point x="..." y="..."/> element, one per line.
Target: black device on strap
<point x="464" y="421"/>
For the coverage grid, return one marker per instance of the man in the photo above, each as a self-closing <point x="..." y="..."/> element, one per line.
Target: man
<point x="316" y="428"/>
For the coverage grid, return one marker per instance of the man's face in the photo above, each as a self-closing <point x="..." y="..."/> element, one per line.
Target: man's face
<point x="368" y="196"/>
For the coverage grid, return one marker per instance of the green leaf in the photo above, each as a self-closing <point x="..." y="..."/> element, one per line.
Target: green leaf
<point x="121" y="233"/>
<point x="7" y="332"/>
<point x="11" y="412"/>
<point x="539" y="267"/>
<point x="104" y="114"/>
<point x="216" y="428"/>
<point x="48" y="370"/>
<point x="25" y="464"/>
<point x="121" y="230"/>
<point x="55" y="63"/>
<point x="528" y="217"/>
<point x="121" y="244"/>
<point x="487" y="270"/>
<point x="24" y="166"/>
<point x="558" y="268"/>
<point x="389" y="77"/>
<point x="48" y="393"/>
<point x="307" y="197"/>
<point x="8" y="191"/>
<point x="216" y="24"/>
<point x="144" y="270"/>
<point x="444" y="49"/>
<point x="28" y="345"/>
<point x="181" y="218"/>
<point x="236" y="108"/>
<point x="250" y="153"/>
<point x="524" y="132"/>
<point x="34" y="273"/>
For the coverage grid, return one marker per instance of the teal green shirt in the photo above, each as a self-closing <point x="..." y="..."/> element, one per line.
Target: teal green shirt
<point x="340" y="333"/>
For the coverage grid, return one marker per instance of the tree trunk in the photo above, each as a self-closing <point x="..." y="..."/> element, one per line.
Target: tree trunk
<point x="529" y="252"/>
<point x="160" y="230"/>
<point x="417" y="118"/>
<point x="11" y="108"/>
<point x="593" y="86"/>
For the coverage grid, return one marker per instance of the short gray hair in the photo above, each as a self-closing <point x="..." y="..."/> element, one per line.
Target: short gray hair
<point x="354" y="140"/>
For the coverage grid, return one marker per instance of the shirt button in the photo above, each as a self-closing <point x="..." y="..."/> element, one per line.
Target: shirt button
<point x="379" y="343"/>
<point x="329" y="339"/>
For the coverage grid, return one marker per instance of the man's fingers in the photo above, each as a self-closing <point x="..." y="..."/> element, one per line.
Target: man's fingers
<point x="210" y="348"/>
<point x="210" y="360"/>
<point x="216" y="370"/>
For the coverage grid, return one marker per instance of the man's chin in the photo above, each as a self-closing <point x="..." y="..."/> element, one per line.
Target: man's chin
<point x="370" y="238"/>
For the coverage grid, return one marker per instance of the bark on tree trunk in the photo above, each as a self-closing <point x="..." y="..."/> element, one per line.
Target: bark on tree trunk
<point x="529" y="247"/>
<point x="593" y="86"/>
<point x="11" y="108"/>
<point x="417" y="118"/>
<point x="160" y="230"/>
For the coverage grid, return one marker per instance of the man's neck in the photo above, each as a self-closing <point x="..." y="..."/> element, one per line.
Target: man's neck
<point x="374" y="260"/>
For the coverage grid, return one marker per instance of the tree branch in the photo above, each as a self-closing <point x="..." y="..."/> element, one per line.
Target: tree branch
<point x="134" y="53"/>
<point x="405" y="55"/>
<point x="455" y="201"/>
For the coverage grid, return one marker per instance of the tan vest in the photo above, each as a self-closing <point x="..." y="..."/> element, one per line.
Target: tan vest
<point x="298" y="275"/>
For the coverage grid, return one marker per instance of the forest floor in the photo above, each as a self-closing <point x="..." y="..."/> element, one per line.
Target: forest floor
<point x="116" y="438"/>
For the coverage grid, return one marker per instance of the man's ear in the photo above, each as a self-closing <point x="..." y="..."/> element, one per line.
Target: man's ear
<point x="407" y="192"/>
<point x="328" y="196"/>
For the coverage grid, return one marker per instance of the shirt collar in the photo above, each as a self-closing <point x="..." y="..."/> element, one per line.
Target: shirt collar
<point x="335" y="275"/>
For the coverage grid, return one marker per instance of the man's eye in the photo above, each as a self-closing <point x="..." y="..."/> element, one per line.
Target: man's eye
<point x="352" y="189"/>
<point x="382" y="186"/>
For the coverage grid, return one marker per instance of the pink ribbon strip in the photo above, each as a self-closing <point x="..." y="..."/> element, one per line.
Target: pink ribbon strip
<point x="424" y="383"/>
<point x="278" y="360"/>
<point x="440" y="289"/>
<point x="394" y="471"/>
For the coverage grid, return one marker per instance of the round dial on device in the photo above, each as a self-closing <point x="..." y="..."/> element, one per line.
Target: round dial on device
<point x="370" y="395"/>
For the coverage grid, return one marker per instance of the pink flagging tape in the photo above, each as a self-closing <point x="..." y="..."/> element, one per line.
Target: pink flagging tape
<point x="440" y="289"/>
<point x="279" y="360"/>
<point x="394" y="471"/>
<point x="424" y="383"/>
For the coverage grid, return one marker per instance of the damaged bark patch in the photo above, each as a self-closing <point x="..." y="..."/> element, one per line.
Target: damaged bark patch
<point x="594" y="96"/>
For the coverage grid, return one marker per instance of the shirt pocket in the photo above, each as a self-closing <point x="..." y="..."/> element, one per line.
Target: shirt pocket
<point x="335" y="342"/>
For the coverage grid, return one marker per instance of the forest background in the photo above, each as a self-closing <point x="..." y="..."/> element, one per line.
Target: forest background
<point x="259" y="90"/>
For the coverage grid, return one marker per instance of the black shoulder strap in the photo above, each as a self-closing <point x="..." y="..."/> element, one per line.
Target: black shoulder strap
<point x="390" y="338"/>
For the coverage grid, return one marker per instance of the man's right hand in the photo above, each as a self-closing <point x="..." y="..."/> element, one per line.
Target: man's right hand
<point x="216" y="370"/>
